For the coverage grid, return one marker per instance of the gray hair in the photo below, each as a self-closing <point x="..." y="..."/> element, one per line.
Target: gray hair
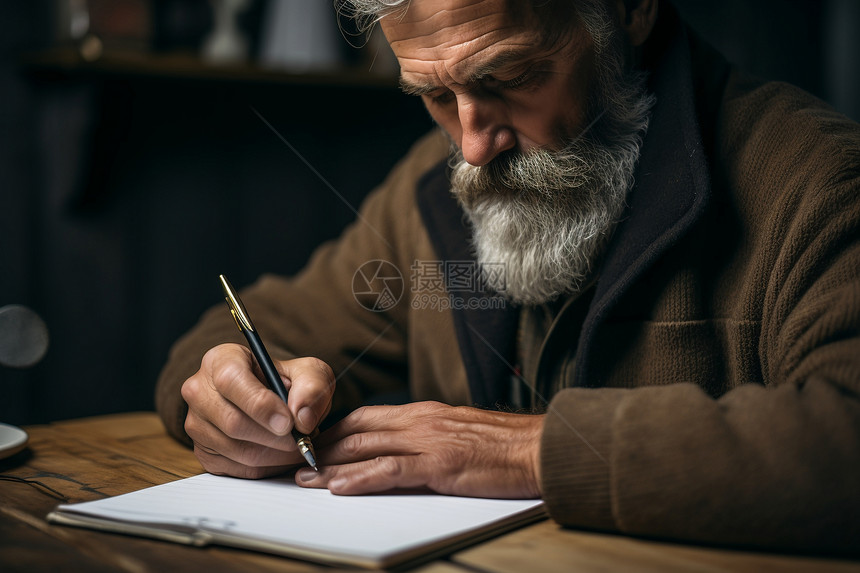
<point x="555" y="16"/>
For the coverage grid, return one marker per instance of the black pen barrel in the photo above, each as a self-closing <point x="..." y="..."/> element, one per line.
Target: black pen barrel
<point x="271" y="374"/>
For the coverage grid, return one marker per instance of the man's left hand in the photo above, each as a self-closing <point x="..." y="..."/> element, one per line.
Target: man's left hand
<point x="449" y="450"/>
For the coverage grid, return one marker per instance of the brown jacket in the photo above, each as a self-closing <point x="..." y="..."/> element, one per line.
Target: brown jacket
<point x="705" y="388"/>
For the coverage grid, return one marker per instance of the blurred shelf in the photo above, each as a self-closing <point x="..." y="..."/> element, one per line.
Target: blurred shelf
<point x="68" y="62"/>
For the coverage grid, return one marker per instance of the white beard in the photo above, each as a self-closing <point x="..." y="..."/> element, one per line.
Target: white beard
<point x="547" y="216"/>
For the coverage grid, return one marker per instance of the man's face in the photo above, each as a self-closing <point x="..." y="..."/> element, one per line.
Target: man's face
<point x="548" y="136"/>
<point x="485" y="78"/>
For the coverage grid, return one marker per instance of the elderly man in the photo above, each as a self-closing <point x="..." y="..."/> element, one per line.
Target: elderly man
<point x="661" y="335"/>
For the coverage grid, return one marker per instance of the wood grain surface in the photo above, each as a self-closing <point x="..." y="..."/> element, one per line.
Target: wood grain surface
<point x="87" y="459"/>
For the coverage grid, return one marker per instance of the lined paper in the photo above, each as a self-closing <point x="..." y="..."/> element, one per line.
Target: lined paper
<point x="280" y="512"/>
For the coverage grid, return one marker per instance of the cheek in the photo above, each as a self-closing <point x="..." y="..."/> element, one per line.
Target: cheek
<point x="551" y="116"/>
<point x="547" y="121"/>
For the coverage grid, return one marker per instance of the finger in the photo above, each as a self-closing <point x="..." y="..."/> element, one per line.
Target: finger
<point x="233" y="378"/>
<point x="311" y="388"/>
<point x="208" y="410"/>
<point x="369" y="445"/>
<point x="366" y="419"/>
<point x="380" y="474"/>
<point x="217" y="464"/>
<point x="210" y="439"/>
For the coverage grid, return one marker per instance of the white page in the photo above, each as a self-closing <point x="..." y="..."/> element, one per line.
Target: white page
<point x="280" y="511"/>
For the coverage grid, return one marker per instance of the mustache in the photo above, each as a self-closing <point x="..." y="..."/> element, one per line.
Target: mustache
<point x="535" y="173"/>
<point x="531" y="177"/>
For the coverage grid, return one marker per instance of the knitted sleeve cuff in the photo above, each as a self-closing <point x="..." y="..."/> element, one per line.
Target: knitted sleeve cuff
<point x="576" y="451"/>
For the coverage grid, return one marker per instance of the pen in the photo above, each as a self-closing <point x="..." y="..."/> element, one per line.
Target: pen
<point x="246" y="327"/>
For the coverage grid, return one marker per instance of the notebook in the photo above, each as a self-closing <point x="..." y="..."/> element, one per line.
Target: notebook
<point x="277" y="516"/>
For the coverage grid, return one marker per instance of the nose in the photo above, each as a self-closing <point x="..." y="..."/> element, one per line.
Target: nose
<point x="484" y="128"/>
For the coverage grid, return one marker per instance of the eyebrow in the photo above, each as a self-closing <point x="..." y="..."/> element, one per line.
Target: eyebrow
<point x="503" y="59"/>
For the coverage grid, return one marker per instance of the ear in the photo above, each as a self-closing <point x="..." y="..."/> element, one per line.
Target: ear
<point x="637" y="19"/>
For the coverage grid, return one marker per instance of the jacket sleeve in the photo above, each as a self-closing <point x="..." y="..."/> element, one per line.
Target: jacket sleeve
<point x="772" y="465"/>
<point x="316" y="313"/>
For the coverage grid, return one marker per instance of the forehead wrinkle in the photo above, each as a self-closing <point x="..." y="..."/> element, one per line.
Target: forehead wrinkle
<point x="481" y="71"/>
<point x="419" y="13"/>
<point x="506" y="56"/>
<point x="456" y="46"/>
<point x="474" y="66"/>
<point x="445" y="36"/>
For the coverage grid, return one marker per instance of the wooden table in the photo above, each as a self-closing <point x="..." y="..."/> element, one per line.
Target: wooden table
<point x="88" y="459"/>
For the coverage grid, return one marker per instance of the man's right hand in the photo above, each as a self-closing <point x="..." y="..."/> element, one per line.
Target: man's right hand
<point x="239" y="426"/>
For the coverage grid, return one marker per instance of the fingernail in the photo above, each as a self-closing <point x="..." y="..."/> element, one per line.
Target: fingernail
<point x="306" y="417"/>
<point x="306" y="474"/>
<point x="336" y="483"/>
<point x="278" y="423"/>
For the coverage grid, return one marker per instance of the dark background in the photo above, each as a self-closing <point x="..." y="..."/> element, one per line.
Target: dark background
<point x="123" y="194"/>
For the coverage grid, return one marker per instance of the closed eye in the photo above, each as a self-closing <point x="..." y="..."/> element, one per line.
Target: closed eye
<point x="528" y="80"/>
<point x="441" y="98"/>
<point x="518" y="81"/>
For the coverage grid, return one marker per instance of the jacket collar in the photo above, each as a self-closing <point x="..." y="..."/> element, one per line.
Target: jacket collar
<point x="672" y="181"/>
<point x="671" y="194"/>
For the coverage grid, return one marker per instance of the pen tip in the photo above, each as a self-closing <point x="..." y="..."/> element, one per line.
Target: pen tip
<point x="309" y="457"/>
<point x="316" y="469"/>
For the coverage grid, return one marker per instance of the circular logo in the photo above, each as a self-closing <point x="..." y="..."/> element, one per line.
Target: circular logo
<point x="377" y="285"/>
